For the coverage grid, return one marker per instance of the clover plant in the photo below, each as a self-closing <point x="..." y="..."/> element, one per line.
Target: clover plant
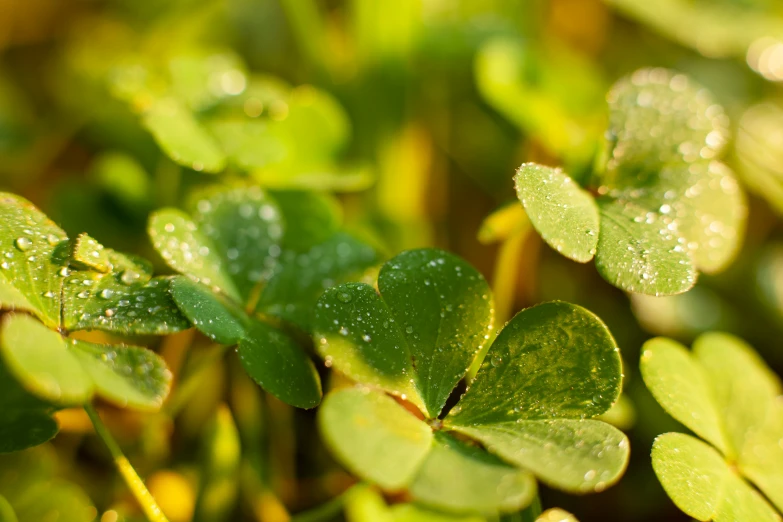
<point x="662" y="205"/>
<point x="54" y="286"/>
<point x="526" y="415"/>
<point x="728" y="397"/>
<point x="254" y="265"/>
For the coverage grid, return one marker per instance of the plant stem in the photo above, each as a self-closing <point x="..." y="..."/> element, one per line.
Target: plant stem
<point x="132" y="479"/>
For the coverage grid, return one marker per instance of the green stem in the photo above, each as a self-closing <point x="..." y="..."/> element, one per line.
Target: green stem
<point x="132" y="479"/>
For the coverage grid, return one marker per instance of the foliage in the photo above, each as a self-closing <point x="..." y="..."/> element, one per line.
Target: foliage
<point x="725" y="394"/>
<point x="549" y="370"/>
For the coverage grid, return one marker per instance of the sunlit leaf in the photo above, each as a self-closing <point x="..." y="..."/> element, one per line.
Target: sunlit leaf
<point x="555" y="360"/>
<point x="458" y="477"/>
<point x="637" y="251"/>
<point x="33" y="260"/>
<point x="702" y="484"/>
<point x="373" y="436"/>
<point x="68" y="371"/>
<point x="682" y="386"/>
<point x="556" y="515"/>
<point x="279" y="366"/>
<point x="182" y="137"/>
<point x="762" y="457"/>
<point x="563" y="213"/>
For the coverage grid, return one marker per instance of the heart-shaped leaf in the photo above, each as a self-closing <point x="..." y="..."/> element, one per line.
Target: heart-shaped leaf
<point x="479" y="482"/>
<point x="683" y="118"/>
<point x="638" y="252"/>
<point x="182" y="137"/>
<point x="418" y="352"/>
<point x="212" y="314"/>
<point x="310" y="218"/>
<point x="555" y="360"/>
<point x="374" y="436"/>
<point x="762" y="457"/>
<point x="69" y="372"/>
<point x="563" y="213"/>
<point x="281" y="367"/>
<point x="682" y="387"/>
<point x="700" y="482"/>
<point x="33" y="260"/>
<point x="580" y="456"/>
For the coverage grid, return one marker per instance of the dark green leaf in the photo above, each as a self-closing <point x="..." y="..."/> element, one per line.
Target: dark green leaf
<point x="419" y="351"/>
<point x="311" y="218"/>
<point x="373" y="436"/>
<point x="459" y="477"/>
<point x="300" y="279"/>
<point x="579" y="456"/>
<point x="563" y="213"/>
<point x="281" y="367"/>
<point x="638" y="252"/>
<point x="25" y="421"/>
<point x="555" y="360"/>
<point x="211" y="314"/>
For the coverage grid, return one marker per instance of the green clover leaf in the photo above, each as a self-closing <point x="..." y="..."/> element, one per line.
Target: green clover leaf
<point x="724" y="393"/>
<point x="549" y="371"/>
<point x="67" y="286"/>
<point x="667" y="208"/>
<point x="252" y="260"/>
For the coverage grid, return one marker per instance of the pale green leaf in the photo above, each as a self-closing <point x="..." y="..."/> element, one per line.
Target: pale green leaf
<point x="762" y="458"/>
<point x="68" y="371"/>
<point x="279" y="366"/>
<point x="88" y="253"/>
<point x="555" y="360"/>
<point x="459" y="477"/>
<point x="659" y="117"/>
<point x="743" y="387"/>
<point x="637" y="251"/>
<point x="703" y="485"/>
<point x="563" y="213"/>
<point x="186" y="249"/>
<point x="182" y="137"/>
<point x="373" y="436"/>
<point x="33" y="259"/>
<point x="556" y="515"/>
<point x="680" y="384"/>
<point x="579" y="456"/>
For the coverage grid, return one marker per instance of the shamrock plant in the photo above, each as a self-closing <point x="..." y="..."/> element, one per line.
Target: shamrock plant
<point x="726" y="395"/>
<point x="527" y="414"/>
<point x="53" y="286"/>
<point x="661" y="205"/>
<point x="254" y="265"/>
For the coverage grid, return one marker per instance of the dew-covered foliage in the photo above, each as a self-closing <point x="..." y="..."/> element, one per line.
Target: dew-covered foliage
<point x="356" y="261"/>
<point x="664" y="207"/>
<point x="547" y="373"/>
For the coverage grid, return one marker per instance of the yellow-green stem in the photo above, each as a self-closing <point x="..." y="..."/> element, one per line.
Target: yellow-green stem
<point x="132" y="479"/>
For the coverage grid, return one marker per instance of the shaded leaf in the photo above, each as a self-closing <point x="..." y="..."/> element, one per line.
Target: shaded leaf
<point x="68" y="371"/>
<point x="281" y="367"/>
<point x="25" y="420"/>
<point x="300" y="279"/>
<point x="637" y="252"/>
<point x="682" y="387"/>
<point x="555" y="360"/>
<point x="563" y="213"/>
<point x="182" y="137"/>
<point x="310" y="218"/>
<point x="458" y="477"/>
<point x="373" y="436"/>
<point x="579" y="456"/>
<point x="702" y="485"/>
<point x="211" y="314"/>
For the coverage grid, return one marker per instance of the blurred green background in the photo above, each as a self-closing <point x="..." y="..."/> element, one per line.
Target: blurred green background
<point x="416" y="112"/>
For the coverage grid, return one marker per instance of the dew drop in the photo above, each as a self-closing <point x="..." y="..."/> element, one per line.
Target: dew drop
<point x="345" y="297"/>
<point x="129" y="277"/>
<point x="23" y="243"/>
<point x="107" y="293"/>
